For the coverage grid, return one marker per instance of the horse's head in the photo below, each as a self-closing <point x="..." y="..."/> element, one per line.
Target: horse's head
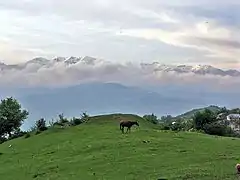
<point x="136" y="123"/>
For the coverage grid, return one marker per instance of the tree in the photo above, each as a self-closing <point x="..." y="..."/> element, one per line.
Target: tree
<point x="235" y="111"/>
<point x="151" y="118"/>
<point x="223" y="110"/>
<point x="200" y="119"/>
<point x="85" y="117"/>
<point x="218" y="129"/>
<point x="41" y="124"/>
<point x="11" y="116"/>
<point x="167" y="118"/>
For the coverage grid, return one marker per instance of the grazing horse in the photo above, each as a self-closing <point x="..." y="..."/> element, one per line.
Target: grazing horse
<point x="127" y="124"/>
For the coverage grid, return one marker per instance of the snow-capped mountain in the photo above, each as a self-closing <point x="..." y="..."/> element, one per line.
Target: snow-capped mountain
<point x="40" y="62"/>
<point x="198" y="69"/>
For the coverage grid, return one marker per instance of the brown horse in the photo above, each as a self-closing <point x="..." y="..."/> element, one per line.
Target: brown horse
<point x="127" y="124"/>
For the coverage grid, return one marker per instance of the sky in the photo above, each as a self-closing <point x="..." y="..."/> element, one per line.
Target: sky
<point x="173" y="31"/>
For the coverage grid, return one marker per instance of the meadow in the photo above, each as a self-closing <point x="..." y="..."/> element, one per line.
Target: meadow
<point x="97" y="150"/>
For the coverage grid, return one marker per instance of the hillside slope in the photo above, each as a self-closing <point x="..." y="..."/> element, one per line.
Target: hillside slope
<point x="190" y="114"/>
<point x="98" y="150"/>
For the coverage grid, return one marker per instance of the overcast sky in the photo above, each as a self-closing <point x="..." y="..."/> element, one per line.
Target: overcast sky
<point x="173" y="31"/>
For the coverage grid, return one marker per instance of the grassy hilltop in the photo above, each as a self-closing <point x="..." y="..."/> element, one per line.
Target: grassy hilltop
<point x="97" y="150"/>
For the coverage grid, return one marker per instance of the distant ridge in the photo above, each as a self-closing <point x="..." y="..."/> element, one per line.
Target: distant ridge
<point x="155" y="66"/>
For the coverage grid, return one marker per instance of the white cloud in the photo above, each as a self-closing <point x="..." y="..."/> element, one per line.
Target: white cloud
<point x="76" y="27"/>
<point x="106" y="71"/>
<point x="204" y="36"/>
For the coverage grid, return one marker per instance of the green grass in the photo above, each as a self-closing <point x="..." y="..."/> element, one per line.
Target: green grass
<point x="98" y="150"/>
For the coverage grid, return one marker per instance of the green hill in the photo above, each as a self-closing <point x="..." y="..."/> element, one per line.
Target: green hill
<point x="97" y="150"/>
<point x="189" y="114"/>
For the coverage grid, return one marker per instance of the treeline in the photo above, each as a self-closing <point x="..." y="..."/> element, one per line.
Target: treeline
<point x="12" y="116"/>
<point x="205" y="121"/>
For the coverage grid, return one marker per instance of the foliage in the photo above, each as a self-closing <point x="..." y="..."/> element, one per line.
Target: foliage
<point x="216" y="128"/>
<point x="17" y="133"/>
<point x="76" y="121"/>
<point x="177" y="126"/>
<point x="2" y="139"/>
<point x="27" y="135"/>
<point x="62" y="121"/>
<point x="187" y="125"/>
<point x="37" y="132"/>
<point x="200" y="119"/>
<point x="190" y="114"/>
<point x="223" y="110"/>
<point x="11" y="116"/>
<point x="164" y="126"/>
<point x="234" y="111"/>
<point x="85" y="117"/>
<point x="151" y="118"/>
<point x="166" y="118"/>
<point x="41" y="125"/>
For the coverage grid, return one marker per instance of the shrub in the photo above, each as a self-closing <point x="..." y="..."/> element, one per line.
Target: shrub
<point x="41" y="125"/>
<point x="164" y="126"/>
<point x="85" y="117"/>
<point x="200" y="119"/>
<point x="27" y="135"/>
<point x="18" y="133"/>
<point x="218" y="129"/>
<point x="61" y="121"/>
<point x="151" y="118"/>
<point x="187" y="125"/>
<point x="76" y="121"/>
<point x="2" y="139"/>
<point x="176" y="127"/>
<point x="37" y="132"/>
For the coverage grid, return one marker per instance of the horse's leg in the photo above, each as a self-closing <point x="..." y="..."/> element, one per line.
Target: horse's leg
<point x="122" y="129"/>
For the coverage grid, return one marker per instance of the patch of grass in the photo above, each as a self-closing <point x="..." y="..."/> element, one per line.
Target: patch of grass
<point x="98" y="150"/>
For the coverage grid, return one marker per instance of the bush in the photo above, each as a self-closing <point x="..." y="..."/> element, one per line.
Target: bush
<point x="76" y="121"/>
<point x="151" y="118"/>
<point x="27" y="135"/>
<point x="37" y="132"/>
<point x="164" y="126"/>
<point x="18" y="133"/>
<point x="187" y="125"/>
<point x="2" y="139"/>
<point x="218" y="129"/>
<point x="176" y="126"/>
<point x="62" y="121"/>
<point x="85" y="117"/>
<point x="41" y="125"/>
<point x="200" y="119"/>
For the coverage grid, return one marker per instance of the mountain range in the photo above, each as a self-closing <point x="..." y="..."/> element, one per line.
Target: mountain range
<point x="101" y="96"/>
<point x="155" y="66"/>
<point x="98" y="98"/>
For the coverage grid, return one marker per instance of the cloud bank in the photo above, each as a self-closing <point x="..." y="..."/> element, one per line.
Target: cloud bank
<point x="43" y="73"/>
